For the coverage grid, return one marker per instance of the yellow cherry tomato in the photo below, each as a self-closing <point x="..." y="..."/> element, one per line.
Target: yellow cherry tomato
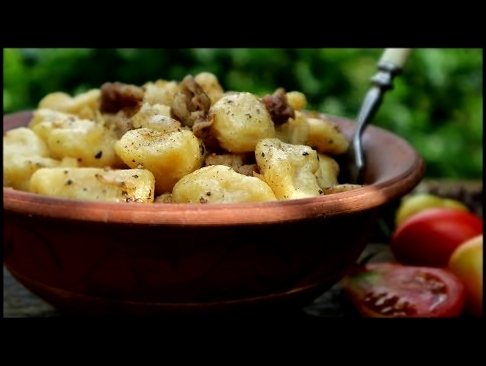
<point x="415" y="203"/>
<point x="466" y="262"/>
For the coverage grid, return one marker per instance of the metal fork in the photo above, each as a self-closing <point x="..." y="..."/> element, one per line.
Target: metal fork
<point x="390" y="65"/>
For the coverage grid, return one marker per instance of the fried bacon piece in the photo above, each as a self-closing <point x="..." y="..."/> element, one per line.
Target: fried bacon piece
<point x="191" y="104"/>
<point x="117" y="96"/>
<point x="119" y="102"/>
<point x="277" y="105"/>
<point x="191" y="107"/>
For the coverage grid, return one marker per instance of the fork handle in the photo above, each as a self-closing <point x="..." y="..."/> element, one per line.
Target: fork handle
<point x="390" y="65"/>
<point x="395" y="56"/>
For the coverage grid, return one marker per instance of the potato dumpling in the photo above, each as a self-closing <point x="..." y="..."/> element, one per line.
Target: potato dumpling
<point x="294" y="131"/>
<point x="95" y="184"/>
<point x="83" y="105"/>
<point x="328" y="172"/>
<point x="163" y="198"/>
<point x="18" y="169"/>
<point x="240" y="120"/>
<point x="297" y="100"/>
<point x="155" y="116"/>
<point x="23" y="153"/>
<point x="210" y="84"/>
<point x="290" y="170"/>
<point x="220" y="184"/>
<point x="47" y="114"/>
<point x="326" y="137"/>
<point x="160" y="92"/>
<point x="25" y="142"/>
<point x="169" y="156"/>
<point x="90" y="142"/>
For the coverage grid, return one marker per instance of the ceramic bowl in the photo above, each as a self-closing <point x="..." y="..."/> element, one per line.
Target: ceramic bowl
<point x="96" y="258"/>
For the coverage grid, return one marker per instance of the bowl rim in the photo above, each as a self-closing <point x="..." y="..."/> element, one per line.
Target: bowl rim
<point x="195" y="214"/>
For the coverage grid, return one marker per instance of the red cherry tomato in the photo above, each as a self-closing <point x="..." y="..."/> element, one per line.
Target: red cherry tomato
<point x="429" y="237"/>
<point x="392" y="290"/>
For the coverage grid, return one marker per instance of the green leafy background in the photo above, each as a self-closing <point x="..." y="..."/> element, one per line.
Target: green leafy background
<point x="436" y="104"/>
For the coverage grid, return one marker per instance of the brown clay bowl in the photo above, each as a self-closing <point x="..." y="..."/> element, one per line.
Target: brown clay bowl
<point x="94" y="258"/>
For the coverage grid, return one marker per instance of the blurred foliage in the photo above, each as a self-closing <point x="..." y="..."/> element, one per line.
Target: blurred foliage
<point x="436" y="104"/>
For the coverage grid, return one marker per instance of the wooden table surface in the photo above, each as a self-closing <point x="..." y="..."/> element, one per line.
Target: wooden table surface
<point x="18" y="302"/>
